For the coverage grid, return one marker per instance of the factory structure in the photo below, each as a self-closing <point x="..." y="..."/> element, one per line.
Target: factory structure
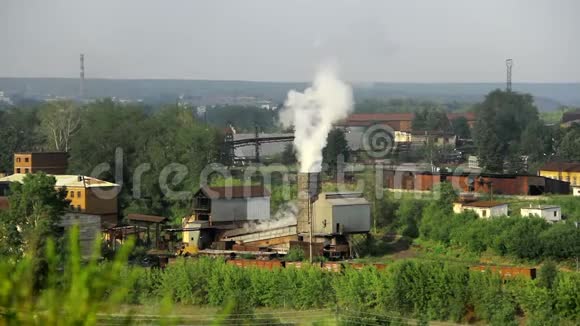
<point x="232" y="220"/>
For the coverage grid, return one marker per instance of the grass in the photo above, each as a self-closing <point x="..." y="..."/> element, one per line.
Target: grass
<point x="205" y="315"/>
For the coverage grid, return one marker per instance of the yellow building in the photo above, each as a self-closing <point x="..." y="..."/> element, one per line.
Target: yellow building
<point x="564" y="171"/>
<point x="86" y="195"/>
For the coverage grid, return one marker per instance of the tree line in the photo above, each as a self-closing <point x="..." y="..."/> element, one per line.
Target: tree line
<point x="508" y="132"/>
<point x="94" y="133"/>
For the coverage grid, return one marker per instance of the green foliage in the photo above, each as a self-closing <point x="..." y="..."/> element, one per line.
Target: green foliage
<point x="431" y="120"/>
<point x="569" y="148"/>
<point x="289" y="155"/>
<point x="336" y="151"/>
<point x="18" y="131"/>
<point x="71" y="294"/>
<point x="408" y="217"/>
<point x="152" y="145"/>
<point x="294" y="254"/>
<point x="59" y="121"/>
<point x="548" y="274"/>
<point x="461" y="128"/>
<point x="523" y="238"/>
<point x="243" y="118"/>
<point x="34" y="214"/>
<point x="501" y="120"/>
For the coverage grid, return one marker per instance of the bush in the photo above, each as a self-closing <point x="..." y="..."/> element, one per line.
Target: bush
<point x="294" y="254"/>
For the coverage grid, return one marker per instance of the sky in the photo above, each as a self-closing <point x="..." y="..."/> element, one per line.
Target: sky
<point x="274" y="40"/>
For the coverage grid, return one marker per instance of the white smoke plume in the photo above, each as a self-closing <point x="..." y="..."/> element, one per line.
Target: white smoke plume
<point x="285" y="216"/>
<point x="313" y="112"/>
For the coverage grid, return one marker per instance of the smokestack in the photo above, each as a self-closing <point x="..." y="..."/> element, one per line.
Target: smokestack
<point x="308" y="190"/>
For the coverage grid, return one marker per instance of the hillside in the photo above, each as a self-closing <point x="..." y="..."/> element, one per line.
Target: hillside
<point x="548" y="96"/>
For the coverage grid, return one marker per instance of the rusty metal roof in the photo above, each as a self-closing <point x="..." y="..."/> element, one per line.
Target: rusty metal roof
<point x="561" y="166"/>
<point x="235" y="192"/>
<point x="146" y="218"/>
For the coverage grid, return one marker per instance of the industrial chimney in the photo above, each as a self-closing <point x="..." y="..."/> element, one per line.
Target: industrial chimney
<point x="308" y="190"/>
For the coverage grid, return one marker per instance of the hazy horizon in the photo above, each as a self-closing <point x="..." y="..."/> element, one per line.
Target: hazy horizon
<point x="448" y="41"/>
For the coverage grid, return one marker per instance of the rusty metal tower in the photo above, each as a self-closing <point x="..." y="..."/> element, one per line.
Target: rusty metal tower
<point x="82" y="78"/>
<point x="509" y="63"/>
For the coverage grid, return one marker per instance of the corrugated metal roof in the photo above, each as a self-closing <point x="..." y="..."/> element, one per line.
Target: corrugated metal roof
<point x="484" y="204"/>
<point x="66" y="181"/>
<point x="235" y="192"/>
<point x="542" y="207"/>
<point x="347" y="201"/>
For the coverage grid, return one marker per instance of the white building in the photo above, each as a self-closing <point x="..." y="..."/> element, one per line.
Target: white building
<point x="576" y="190"/>
<point x="483" y="209"/>
<point x="549" y="213"/>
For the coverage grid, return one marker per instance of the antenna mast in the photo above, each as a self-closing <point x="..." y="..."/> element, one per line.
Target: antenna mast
<point x="82" y="79"/>
<point x="509" y="64"/>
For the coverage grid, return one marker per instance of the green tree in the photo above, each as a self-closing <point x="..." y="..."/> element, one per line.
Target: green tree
<point x="432" y="119"/>
<point x="36" y="208"/>
<point x="336" y="151"/>
<point x="19" y="133"/>
<point x="501" y="119"/>
<point x="569" y="148"/>
<point x="289" y="155"/>
<point x="461" y="128"/>
<point x="536" y="142"/>
<point x="59" y="121"/>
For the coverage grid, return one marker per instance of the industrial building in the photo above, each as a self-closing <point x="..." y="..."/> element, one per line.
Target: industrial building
<point x="504" y="184"/>
<point x="563" y="171"/>
<point x="89" y="226"/>
<point x="237" y="219"/>
<point x="47" y="162"/>
<point x="232" y="204"/>
<point x="550" y="213"/>
<point x="87" y="195"/>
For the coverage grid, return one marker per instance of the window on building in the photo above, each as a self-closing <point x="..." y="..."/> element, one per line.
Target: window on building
<point x="17" y="170"/>
<point x="78" y="194"/>
<point x="26" y="170"/>
<point x="18" y="159"/>
<point x="555" y="213"/>
<point x="26" y="159"/>
<point x="484" y="213"/>
<point x="568" y="178"/>
<point x="574" y="180"/>
<point x="72" y="194"/>
<point x="79" y="208"/>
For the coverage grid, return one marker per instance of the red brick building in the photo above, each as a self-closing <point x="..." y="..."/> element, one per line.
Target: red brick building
<point x="503" y="184"/>
<point x="397" y="121"/>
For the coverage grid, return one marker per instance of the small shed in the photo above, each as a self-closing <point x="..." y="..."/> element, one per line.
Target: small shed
<point x="145" y="222"/>
<point x="486" y="209"/>
<point x="576" y="190"/>
<point x="341" y="213"/>
<point x="550" y="213"/>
